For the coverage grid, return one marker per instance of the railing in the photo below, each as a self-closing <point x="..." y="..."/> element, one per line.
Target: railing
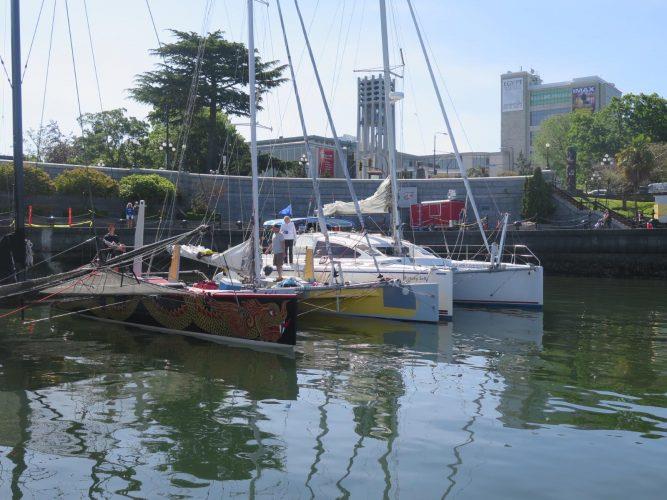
<point x="512" y="254"/>
<point x="585" y="203"/>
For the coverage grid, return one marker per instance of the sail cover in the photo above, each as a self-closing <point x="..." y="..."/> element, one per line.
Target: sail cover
<point x="237" y="259"/>
<point x="378" y="203"/>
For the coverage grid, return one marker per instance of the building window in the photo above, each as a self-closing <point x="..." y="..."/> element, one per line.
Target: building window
<point x="550" y="97"/>
<point x="537" y="117"/>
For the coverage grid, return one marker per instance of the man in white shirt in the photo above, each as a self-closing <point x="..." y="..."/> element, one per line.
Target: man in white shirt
<point x="288" y="231"/>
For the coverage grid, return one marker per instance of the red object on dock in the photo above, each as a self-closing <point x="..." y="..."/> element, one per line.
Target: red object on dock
<point x="436" y="213"/>
<point x="69" y="216"/>
<point x="30" y="215"/>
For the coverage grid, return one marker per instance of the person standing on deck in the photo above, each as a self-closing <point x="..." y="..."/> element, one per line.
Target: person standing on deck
<point x="288" y="230"/>
<point x="112" y="242"/>
<point x="277" y="248"/>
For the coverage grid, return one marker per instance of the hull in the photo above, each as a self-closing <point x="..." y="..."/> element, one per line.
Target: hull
<point x="510" y="286"/>
<point x="443" y="278"/>
<point x="243" y="318"/>
<point x="408" y="302"/>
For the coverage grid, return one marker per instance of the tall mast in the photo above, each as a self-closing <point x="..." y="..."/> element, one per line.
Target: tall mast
<point x="256" y="266"/>
<point x="309" y="152"/>
<point x="389" y="124"/>
<point x="457" y="155"/>
<point x="17" y="113"/>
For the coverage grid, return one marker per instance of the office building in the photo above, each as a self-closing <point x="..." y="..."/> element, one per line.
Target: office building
<point x="526" y="102"/>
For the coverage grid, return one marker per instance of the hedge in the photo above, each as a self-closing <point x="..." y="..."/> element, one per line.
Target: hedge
<point x="83" y="181"/>
<point x="149" y="187"/>
<point x="35" y="180"/>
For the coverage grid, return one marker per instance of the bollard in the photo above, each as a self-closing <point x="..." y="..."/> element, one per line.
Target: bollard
<point x="69" y="216"/>
<point x="30" y="215"/>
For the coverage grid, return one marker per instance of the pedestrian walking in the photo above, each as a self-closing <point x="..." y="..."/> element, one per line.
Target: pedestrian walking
<point x="277" y="248"/>
<point x="288" y="229"/>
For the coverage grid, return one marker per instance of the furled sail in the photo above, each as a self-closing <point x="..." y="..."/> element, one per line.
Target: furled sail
<point x="378" y="203"/>
<point x="237" y="259"/>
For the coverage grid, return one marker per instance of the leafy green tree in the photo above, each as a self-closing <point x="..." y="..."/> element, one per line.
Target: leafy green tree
<point x="280" y="168"/>
<point x="35" y="180"/>
<point x="538" y="204"/>
<point x="48" y="144"/>
<point x="232" y="145"/>
<point x="86" y="181"/>
<point x="149" y="187"/>
<point x="523" y="164"/>
<point x="113" y="139"/>
<point x="636" y="162"/>
<point x="217" y="70"/>
<point x="553" y="131"/>
<point x="637" y="114"/>
<point x="659" y="150"/>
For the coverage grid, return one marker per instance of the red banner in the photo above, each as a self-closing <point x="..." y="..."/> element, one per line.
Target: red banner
<point x="326" y="162"/>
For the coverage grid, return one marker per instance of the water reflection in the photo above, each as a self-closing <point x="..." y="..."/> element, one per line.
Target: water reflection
<point x="483" y="407"/>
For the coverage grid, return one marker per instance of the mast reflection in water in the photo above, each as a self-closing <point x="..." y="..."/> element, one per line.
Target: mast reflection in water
<point x="499" y="404"/>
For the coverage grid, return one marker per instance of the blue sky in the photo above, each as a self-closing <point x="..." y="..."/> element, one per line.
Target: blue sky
<point x="473" y="42"/>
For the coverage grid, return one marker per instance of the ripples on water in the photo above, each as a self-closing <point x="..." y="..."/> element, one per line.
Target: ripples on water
<point x="568" y="403"/>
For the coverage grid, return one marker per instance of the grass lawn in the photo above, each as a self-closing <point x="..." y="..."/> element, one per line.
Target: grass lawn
<point x="646" y="207"/>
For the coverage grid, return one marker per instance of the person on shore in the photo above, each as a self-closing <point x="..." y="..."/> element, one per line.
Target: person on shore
<point x="129" y="214"/>
<point x="112" y="242"/>
<point x="277" y="248"/>
<point x="289" y="233"/>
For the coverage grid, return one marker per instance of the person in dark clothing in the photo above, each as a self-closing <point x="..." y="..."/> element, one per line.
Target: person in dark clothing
<point x="112" y="244"/>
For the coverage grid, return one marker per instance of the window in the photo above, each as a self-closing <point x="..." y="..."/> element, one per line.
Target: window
<point x="537" y="117"/>
<point x="549" y="97"/>
<point x="337" y="251"/>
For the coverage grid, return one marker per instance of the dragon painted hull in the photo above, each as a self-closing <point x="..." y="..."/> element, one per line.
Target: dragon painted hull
<point x="243" y="318"/>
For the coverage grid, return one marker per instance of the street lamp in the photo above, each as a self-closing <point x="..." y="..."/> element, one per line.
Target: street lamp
<point x="167" y="147"/>
<point x="595" y="181"/>
<point x="303" y="161"/>
<point x="547" y="146"/>
<point x="435" y="165"/>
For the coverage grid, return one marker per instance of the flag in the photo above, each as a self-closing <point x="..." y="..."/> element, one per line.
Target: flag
<point x="286" y="211"/>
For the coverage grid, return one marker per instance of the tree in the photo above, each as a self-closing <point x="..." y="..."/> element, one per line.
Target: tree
<point x="522" y="164"/>
<point x="280" y="168"/>
<point x="538" y="204"/>
<point x="636" y="114"/>
<point x="215" y="69"/>
<point x="35" y="180"/>
<point x="113" y="139"/>
<point x="659" y="150"/>
<point x="49" y="144"/>
<point x="636" y="162"/>
<point x="553" y="131"/>
<point x="86" y="181"/>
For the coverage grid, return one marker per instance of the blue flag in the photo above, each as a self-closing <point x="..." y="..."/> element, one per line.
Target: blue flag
<point x="286" y="211"/>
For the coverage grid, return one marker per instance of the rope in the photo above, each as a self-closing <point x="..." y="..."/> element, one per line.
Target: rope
<point x="9" y="80"/>
<point x="76" y="78"/>
<point x="92" y="51"/>
<point x="46" y="80"/>
<point x="150" y="13"/>
<point x="32" y="41"/>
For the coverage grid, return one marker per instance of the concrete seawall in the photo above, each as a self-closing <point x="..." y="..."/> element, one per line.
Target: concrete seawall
<point x="618" y="253"/>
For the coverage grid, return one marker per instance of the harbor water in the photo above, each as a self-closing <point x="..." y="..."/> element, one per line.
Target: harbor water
<point x="566" y="403"/>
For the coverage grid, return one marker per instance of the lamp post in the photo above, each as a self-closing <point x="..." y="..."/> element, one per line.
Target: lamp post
<point x="547" y="146"/>
<point x="304" y="164"/>
<point x="595" y="181"/>
<point x="167" y="147"/>
<point x="604" y="163"/>
<point x="435" y="165"/>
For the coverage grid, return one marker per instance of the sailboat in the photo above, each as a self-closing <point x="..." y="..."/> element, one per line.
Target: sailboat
<point x="107" y="291"/>
<point x="489" y="283"/>
<point x="383" y="296"/>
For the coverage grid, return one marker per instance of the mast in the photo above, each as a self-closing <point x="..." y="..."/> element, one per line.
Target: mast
<point x="339" y="149"/>
<point x="17" y="115"/>
<point x="389" y="124"/>
<point x="309" y="152"/>
<point x="457" y="155"/>
<point x="256" y="264"/>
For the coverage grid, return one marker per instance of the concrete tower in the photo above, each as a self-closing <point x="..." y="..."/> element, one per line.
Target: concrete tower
<point x="372" y="151"/>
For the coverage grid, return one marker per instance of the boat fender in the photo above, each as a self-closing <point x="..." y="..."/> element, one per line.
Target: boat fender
<point x="268" y="270"/>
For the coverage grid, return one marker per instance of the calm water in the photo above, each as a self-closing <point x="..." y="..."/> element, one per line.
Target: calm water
<point x="571" y="403"/>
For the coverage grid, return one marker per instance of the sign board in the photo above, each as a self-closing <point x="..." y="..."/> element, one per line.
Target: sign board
<point x="512" y="94"/>
<point x="583" y="97"/>
<point x="326" y="162"/>
<point x="407" y="196"/>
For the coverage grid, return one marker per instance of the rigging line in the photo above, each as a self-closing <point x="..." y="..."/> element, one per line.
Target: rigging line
<point x="76" y="78"/>
<point x="2" y="62"/>
<point x="92" y="51"/>
<point x="150" y="14"/>
<point x="46" y="80"/>
<point x="32" y="41"/>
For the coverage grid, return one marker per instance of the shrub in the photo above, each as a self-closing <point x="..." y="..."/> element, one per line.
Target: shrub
<point x="537" y="201"/>
<point x="149" y="187"/>
<point x="35" y="180"/>
<point x="83" y="180"/>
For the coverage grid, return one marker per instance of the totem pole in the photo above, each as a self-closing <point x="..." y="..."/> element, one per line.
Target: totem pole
<point x="571" y="171"/>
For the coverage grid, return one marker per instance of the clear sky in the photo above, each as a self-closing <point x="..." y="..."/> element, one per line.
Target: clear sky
<point x="473" y="42"/>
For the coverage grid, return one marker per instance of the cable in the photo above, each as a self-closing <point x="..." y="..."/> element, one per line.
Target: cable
<point x="32" y="41"/>
<point x="46" y="80"/>
<point x="76" y="78"/>
<point x="92" y="51"/>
